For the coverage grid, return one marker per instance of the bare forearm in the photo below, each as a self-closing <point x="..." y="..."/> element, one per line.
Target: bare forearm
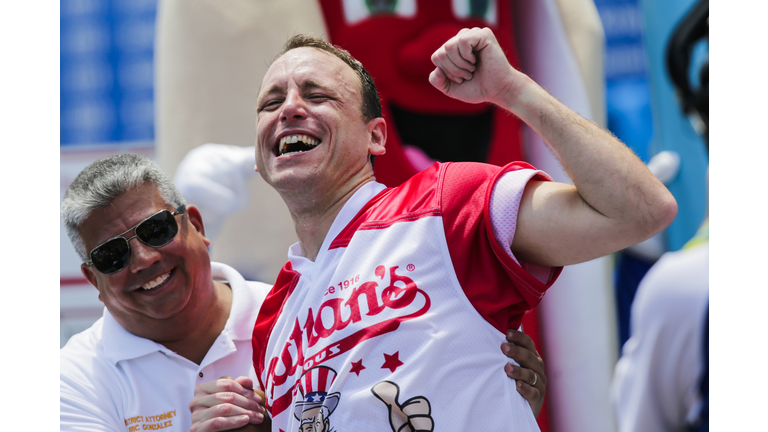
<point x="615" y="201"/>
<point x="608" y="176"/>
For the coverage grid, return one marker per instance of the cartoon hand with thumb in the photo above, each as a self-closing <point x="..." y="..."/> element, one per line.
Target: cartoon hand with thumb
<point x="413" y="415"/>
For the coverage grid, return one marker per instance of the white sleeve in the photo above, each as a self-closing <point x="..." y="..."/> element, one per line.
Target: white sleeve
<point x="214" y="178"/>
<point x="83" y="408"/>
<point x="504" y="206"/>
<point x="655" y="385"/>
<point x="80" y="415"/>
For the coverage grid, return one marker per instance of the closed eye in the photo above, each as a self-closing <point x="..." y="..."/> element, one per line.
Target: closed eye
<point x="318" y="97"/>
<point x="269" y="105"/>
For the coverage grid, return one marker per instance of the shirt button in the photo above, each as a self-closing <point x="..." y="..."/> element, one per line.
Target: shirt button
<point x="200" y="374"/>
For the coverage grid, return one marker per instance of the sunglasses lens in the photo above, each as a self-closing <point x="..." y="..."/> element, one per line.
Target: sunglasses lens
<point x="112" y="256"/>
<point x="158" y="230"/>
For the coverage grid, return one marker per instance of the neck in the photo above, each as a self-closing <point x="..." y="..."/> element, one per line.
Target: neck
<point x="194" y="343"/>
<point x="313" y="217"/>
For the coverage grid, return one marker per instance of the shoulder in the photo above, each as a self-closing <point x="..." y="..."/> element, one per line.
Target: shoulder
<point x="82" y="347"/>
<point x="228" y="274"/>
<point x="676" y="284"/>
<point x="87" y="378"/>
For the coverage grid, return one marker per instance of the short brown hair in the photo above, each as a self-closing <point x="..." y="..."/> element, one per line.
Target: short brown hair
<point x="371" y="106"/>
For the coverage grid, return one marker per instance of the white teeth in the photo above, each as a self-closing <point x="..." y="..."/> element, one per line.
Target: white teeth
<point x="160" y="279"/>
<point x="292" y="139"/>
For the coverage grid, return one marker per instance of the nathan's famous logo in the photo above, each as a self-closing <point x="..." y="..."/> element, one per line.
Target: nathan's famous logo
<point x="386" y="309"/>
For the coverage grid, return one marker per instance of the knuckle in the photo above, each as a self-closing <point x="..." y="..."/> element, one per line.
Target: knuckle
<point x="224" y="409"/>
<point x="225" y="396"/>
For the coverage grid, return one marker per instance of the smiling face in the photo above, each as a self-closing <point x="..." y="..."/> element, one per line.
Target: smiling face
<point x="310" y="130"/>
<point x="160" y="286"/>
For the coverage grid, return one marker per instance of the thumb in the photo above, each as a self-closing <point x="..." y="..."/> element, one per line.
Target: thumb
<point x="388" y="392"/>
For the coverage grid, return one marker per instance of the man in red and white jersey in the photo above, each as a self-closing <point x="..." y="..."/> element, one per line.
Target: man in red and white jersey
<point x="389" y="314"/>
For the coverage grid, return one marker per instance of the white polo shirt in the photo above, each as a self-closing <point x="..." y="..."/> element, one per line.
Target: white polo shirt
<point x="114" y="380"/>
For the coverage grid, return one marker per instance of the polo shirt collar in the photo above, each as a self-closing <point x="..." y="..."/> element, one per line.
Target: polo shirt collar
<point x="244" y="309"/>
<point x="120" y="344"/>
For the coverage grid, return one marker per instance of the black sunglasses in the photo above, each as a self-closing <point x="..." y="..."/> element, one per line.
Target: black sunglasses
<point x="156" y="231"/>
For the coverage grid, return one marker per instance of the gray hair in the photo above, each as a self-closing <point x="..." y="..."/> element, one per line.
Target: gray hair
<point x="103" y="181"/>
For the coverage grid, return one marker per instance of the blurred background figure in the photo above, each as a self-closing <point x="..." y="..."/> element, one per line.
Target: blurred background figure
<point x="661" y="381"/>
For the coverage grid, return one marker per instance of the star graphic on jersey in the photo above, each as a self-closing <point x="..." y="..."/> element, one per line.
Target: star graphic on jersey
<point x="357" y="367"/>
<point x="392" y="361"/>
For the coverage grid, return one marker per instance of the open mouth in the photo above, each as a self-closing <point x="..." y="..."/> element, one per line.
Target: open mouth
<point x="446" y="137"/>
<point x="156" y="282"/>
<point x="292" y="144"/>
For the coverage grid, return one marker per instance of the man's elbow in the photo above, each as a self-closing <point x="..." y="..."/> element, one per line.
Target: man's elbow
<point x="662" y="213"/>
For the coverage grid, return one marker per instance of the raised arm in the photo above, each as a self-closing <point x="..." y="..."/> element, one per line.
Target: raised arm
<point x="615" y="201"/>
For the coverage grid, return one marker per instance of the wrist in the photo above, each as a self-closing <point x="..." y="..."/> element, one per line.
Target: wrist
<point x="528" y="101"/>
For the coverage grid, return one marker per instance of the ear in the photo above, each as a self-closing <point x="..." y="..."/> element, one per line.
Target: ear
<point x="91" y="276"/>
<point x="196" y="219"/>
<point x="377" y="128"/>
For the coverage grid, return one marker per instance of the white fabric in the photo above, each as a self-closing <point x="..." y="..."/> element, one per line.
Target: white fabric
<point x="113" y="380"/>
<point x="214" y="177"/>
<point x="505" y="204"/>
<point x="423" y="356"/>
<point x="656" y="381"/>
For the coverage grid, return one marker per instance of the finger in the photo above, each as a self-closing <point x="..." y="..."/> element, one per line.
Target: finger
<point x="531" y="394"/>
<point x="459" y="52"/>
<point x="519" y="338"/>
<point x="444" y="61"/>
<point x="225" y="398"/>
<point x="522" y="356"/>
<point x="245" y="382"/>
<point x="220" y="424"/>
<point x="525" y="378"/>
<point x="466" y="51"/>
<point x="526" y="358"/>
<point x="526" y="375"/>
<point x="439" y="81"/>
<point x="226" y="411"/>
<point x="219" y="385"/>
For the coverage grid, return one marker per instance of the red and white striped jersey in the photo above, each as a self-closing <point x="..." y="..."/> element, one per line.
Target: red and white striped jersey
<point x="399" y="320"/>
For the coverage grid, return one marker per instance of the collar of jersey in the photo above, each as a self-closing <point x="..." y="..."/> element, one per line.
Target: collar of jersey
<point x="366" y="192"/>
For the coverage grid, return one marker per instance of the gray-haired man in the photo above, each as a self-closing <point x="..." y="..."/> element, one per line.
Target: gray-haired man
<point x="173" y="318"/>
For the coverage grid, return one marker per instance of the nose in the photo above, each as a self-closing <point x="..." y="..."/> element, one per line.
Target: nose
<point x="294" y="107"/>
<point x="142" y="256"/>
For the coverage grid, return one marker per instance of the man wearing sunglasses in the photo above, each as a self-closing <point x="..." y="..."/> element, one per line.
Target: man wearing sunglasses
<point x="173" y="319"/>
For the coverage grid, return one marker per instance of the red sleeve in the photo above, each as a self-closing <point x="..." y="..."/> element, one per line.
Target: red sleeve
<point x="499" y="289"/>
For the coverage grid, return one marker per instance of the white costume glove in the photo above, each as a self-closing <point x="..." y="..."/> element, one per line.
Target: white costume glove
<point x="214" y="178"/>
